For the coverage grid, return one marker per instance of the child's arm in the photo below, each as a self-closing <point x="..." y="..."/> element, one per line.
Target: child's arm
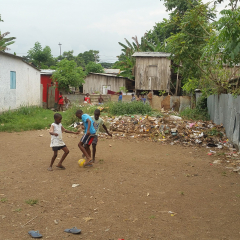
<point x="89" y="125"/>
<point x="66" y="131"/>
<point x="105" y="128"/>
<point x="51" y="131"/>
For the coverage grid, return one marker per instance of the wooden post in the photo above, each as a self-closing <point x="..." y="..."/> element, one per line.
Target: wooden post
<point x="177" y="84"/>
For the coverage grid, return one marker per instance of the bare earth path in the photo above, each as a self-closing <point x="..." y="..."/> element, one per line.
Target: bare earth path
<point x="136" y="190"/>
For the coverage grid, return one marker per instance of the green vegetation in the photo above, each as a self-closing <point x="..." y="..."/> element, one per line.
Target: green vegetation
<point x="122" y="108"/>
<point x="31" y="201"/>
<point x="3" y="200"/>
<point x="93" y="67"/>
<point x="198" y="113"/>
<point x="68" y="74"/>
<point x="5" y="42"/>
<point x="25" y="118"/>
<point x="194" y="114"/>
<point x="36" y="118"/>
<point x="17" y="210"/>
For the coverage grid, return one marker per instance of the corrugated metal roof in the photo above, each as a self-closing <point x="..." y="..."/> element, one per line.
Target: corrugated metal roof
<point x="151" y="54"/>
<point x="111" y="71"/>
<point x="109" y="75"/>
<point x="47" y="71"/>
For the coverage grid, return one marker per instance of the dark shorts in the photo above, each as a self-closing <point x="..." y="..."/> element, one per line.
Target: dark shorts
<point x="95" y="140"/>
<point x="58" y="148"/>
<point x="87" y="139"/>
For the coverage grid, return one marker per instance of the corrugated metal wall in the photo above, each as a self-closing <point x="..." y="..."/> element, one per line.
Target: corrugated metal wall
<point x="225" y="109"/>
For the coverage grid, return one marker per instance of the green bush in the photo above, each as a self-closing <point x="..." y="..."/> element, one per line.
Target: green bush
<point x="122" y="108"/>
<point x="194" y="114"/>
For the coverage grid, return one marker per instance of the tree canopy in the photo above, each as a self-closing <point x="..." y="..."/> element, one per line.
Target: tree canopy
<point x="68" y="74"/>
<point x="94" y="68"/>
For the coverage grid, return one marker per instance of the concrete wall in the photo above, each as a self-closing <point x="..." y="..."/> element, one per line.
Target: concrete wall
<point x="125" y="98"/>
<point x="225" y="109"/>
<point x="178" y="103"/>
<point x="27" y="90"/>
<point x="75" y="98"/>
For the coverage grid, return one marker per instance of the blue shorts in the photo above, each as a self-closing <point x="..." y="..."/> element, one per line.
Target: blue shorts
<point x="87" y="139"/>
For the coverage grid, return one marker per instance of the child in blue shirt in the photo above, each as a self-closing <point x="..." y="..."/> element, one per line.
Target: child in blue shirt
<point x="120" y="97"/>
<point x="88" y="136"/>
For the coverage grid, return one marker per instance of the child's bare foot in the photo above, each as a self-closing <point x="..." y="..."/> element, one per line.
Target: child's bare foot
<point x="61" y="167"/>
<point x="50" y="169"/>
<point x="88" y="163"/>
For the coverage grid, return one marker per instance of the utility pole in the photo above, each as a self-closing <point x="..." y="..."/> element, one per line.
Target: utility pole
<point x="60" y="48"/>
<point x="95" y="56"/>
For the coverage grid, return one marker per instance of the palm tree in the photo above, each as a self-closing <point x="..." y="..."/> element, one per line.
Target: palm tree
<point x="4" y="42"/>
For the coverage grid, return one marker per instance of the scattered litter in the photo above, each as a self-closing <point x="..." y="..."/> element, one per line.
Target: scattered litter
<point x="172" y="213"/>
<point x="35" y="234"/>
<point x="56" y="222"/>
<point x="40" y="135"/>
<point x="29" y="221"/>
<point x="217" y="162"/>
<point x="75" y="185"/>
<point x="87" y="219"/>
<point x="148" y="194"/>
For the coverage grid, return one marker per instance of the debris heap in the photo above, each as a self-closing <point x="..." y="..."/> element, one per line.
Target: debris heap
<point x="170" y="129"/>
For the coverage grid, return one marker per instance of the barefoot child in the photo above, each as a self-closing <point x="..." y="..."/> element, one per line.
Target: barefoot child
<point x="60" y="102"/>
<point x="88" y="136"/>
<point x="57" y="143"/>
<point x="98" y="122"/>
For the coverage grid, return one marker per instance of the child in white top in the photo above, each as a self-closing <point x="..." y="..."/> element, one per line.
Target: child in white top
<point x="57" y="143"/>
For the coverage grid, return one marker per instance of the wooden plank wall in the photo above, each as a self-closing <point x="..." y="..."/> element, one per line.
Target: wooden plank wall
<point x="152" y="73"/>
<point x="94" y="83"/>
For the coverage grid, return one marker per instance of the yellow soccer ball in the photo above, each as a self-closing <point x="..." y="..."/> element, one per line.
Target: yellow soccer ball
<point x="81" y="162"/>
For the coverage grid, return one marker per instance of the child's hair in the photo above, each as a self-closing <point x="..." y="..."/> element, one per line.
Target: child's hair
<point x="60" y="93"/>
<point x="97" y="111"/>
<point x="79" y="111"/>
<point x="57" y="115"/>
<point x="132" y="94"/>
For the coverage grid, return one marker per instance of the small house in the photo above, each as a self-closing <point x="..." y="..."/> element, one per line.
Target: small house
<point x="152" y="71"/>
<point x="50" y="92"/>
<point x="101" y="83"/>
<point x="20" y="83"/>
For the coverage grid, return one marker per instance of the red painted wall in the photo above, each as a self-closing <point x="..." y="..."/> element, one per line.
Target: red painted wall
<point x="46" y="82"/>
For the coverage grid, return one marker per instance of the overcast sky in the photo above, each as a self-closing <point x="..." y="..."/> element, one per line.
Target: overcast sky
<point x="79" y="25"/>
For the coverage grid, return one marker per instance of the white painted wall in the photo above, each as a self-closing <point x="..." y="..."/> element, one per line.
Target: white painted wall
<point x="27" y="90"/>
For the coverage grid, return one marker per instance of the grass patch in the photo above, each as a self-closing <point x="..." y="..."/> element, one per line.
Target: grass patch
<point x="17" y="210"/>
<point x="31" y="201"/>
<point x="25" y="118"/>
<point x="3" y="200"/>
<point x="194" y="114"/>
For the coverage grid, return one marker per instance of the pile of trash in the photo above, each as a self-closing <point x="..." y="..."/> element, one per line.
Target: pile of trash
<point x="169" y="129"/>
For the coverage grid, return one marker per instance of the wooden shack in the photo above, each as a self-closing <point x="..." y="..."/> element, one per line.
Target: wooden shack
<point x="152" y="71"/>
<point x="101" y="83"/>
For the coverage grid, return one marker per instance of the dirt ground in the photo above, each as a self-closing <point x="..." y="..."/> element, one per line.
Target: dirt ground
<point x="136" y="190"/>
